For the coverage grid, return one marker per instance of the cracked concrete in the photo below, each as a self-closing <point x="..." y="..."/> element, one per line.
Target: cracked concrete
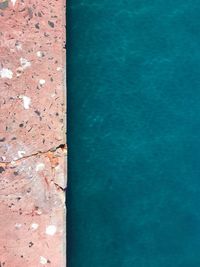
<point x="6" y="163"/>
<point x="32" y="133"/>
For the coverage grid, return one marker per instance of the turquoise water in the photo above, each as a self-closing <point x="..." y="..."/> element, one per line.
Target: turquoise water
<point x="134" y="133"/>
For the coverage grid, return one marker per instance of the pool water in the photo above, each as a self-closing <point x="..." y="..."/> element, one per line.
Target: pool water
<point x="134" y="133"/>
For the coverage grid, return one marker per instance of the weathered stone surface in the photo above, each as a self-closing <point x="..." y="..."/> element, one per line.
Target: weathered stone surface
<point x="32" y="133"/>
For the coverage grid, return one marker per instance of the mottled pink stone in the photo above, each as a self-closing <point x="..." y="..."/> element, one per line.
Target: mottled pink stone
<point x="32" y="133"/>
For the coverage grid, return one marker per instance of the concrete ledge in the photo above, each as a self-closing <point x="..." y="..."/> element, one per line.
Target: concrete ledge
<point x="32" y="133"/>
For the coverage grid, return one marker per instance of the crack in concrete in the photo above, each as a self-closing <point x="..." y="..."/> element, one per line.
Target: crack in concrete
<point x="54" y="149"/>
<point x="59" y="187"/>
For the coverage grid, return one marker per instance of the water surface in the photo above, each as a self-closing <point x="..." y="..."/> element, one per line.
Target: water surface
<point x="134" y="133"/>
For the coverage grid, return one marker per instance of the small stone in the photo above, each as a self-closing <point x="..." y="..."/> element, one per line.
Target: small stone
<point x="2" y="169"/>
<point x="51" y="24"/>
<point x="4" y="4"/>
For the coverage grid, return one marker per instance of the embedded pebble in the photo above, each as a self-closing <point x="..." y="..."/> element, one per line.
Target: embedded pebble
<point x="24" y="63"/>
<point x="43" y="260"/>
<point x="40" y="54"/>
<point x="26" y="101"/>
<point x="6" y="73"/>
<point x="34" y="226"/>
<point x="42" y="81"/>
<point x="21" y="153"/>
<point x="51" y="230"/>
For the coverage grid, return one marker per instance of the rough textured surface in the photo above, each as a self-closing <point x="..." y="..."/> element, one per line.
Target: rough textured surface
<point x="32" y="133"/>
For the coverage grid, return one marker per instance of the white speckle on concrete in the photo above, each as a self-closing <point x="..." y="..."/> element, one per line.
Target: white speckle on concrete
<point x="3" y="158"/>
<point x="18" y="46"/>
<point x="39" y="167"/>
<point x="34" y="226"/>
<point x="58" y="68"/>
<point x="51" y="230"/>
<point x="38" y="212"/>
<point x="24" y="63"/>
<point x="21" y="153"/>
<point x="6" y="73"/>
<point x="57" y="168"/>
<point x="18" y="225"/>
<point x="42" y="81"/>
<point x="26" y="101"/>
<point x="13" y="2"/>
<point x="43" y="260"/>
<point x="40" y="54"/>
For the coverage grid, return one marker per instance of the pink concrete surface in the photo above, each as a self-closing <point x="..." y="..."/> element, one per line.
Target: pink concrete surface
<point x="32" y="133"/>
